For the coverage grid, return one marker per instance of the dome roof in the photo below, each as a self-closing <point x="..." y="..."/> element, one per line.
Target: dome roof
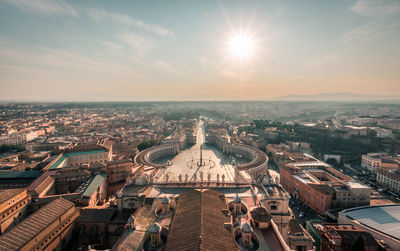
<point x="165" y="200"/>
<point x="246" y="228"/>
<point x="155" y="228"/>
<point x="237" y="199"/>
<point x="131" y="219"/>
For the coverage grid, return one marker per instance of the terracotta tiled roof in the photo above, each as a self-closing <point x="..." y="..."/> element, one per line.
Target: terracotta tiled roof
<point x="25" y="231"/>
<point x="38" y="181"/>
<point x="7" y="194"/>
<point x="198" y="223"/>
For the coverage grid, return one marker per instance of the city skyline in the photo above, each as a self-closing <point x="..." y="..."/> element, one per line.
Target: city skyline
<point x="178" y="50"/>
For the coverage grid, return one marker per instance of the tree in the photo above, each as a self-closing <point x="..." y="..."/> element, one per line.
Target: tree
<point x="8" y="148"/>
<point x="146" y="144"/>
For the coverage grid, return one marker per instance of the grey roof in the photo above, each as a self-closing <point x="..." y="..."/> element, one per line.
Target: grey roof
<point x="155" y="228"/>
<point x="246" y="227"/>
<point x="96" y="182"/>
<point x="385" y="219"/>
<point x="237" y="199"/>
<point x="165" y="200"/>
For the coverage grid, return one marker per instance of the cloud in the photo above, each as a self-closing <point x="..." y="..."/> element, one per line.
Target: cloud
<point x="375" y="8"/>
<point x="50" y="60"/>
<point x="366" y="33"/>
<point x="141" y="44"/>
<point x="103" y="15"/>
<point x="47" y="7"/>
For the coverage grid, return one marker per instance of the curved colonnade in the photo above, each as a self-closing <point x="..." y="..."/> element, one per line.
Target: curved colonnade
<point x="147" y="156"/>
<point x="258" y="159"/>
<point x="258" y="163"/>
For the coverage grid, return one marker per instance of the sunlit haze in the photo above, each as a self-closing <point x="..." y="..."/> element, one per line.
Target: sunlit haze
<point x="241" y="45"/>
<point x="58" y="50"/>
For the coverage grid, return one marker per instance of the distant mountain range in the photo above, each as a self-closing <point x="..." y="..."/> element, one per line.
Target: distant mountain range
<point x="344" y="97"/>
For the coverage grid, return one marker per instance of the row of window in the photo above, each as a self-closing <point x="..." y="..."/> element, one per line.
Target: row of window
<point x="51" y="236"/>
<point x="12" y="209"/>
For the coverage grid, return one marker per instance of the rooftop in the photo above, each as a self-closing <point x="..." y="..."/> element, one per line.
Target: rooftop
<point x="97" y="181"/>
<point x="86" y="148"/>
<point x="294" y="227"/>
<point x="69" y="154"/>
<point x="39" y="180"/>
<point x="25" y="231"/>
<point x="260" y="214"/>
<point x="385" y="218"/>
<point x="322" y="188"/>
<point x="19" y="174"/>
<point x="198" y="223"/>
<point x="352" y="184"/>
<point x="9" y="193"/>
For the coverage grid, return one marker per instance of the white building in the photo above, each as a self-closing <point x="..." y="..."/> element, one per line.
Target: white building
<point x="379" y="161"/>
<point x="383" y="133"/>
<point x="391" y="180"/>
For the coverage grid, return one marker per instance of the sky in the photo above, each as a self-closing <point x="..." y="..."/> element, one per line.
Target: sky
<point x="55" y="50"/>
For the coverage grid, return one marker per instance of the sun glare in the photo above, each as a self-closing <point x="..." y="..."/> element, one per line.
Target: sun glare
<point x="241" y="46"/>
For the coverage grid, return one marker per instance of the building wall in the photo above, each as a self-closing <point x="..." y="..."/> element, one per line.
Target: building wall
<point x="373" y="163"/>
<point x="17" y="139"/>
<point x="310" y="195"/>
<point x="69" y="182"/>
<point x="319" y="201"/>
<point x="53" y="235"/>
<point x="89" y="158"/>
<point x="13" y="210"/>
<point x="118" y="172"/>
<point x="370" y="163"/>
<point x="390" y="180"/>
<point x="99" y="195"/>
<point x="161" y="151"/>
<point x="389" y="165"/>
<point x="117" y="175"/>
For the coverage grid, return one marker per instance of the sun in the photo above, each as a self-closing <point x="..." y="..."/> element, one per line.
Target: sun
<point x="241" y="46"/>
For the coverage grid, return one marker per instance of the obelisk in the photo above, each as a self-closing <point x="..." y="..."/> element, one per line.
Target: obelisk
<point x="201" y="156"/>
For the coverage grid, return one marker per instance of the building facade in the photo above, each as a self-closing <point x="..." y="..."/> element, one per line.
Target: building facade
<point x="117" y="173"/>
<point x="379" y="161"/>
<point x="44" y="230"/>
<point x="389" y="179"/>
<point x="322" y="191"/>
<point x="13" y="207"/>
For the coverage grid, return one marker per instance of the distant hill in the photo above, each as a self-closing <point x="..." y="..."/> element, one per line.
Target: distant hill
<point x="344" y="97"/>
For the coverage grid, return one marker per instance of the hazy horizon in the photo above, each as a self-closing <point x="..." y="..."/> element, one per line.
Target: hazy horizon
<point x="54" y="50"/>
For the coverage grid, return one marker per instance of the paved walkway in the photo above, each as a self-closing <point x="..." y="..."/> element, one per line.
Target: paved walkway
<point x="217" y="166"/>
